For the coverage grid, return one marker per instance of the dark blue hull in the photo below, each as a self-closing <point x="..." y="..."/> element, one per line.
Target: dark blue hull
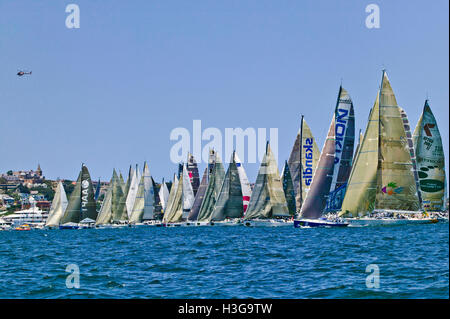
<point x="318" y="223"/>
<point x="68" y="227"/>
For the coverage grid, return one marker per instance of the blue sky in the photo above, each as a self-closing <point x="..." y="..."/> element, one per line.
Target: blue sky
<point x="109" y="94"/>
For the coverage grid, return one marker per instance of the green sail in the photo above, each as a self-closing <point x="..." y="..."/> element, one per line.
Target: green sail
<point x="430" y="161"/>
<point x="268" y="200"/>
<point x="288" y="188"/>
<point x="175" y="205"/>
<point x="229" y="202"/>
<point x="171" y="199"/>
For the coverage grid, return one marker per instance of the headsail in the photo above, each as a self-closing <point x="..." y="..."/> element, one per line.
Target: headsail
<point x="132" y="191"/>
<point x="430" y="161"/>
<point x="171" y="199"/>
<point x="110" y="202"/>
<point x="59" y="205"/>
<point x="143" y="208"/>
<point x="268" y="200"/>
<point x="288" y="188"/>
<point x="302" y="162"/>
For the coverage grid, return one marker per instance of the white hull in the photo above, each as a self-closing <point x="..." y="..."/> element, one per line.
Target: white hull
<point x="268" y="223"/>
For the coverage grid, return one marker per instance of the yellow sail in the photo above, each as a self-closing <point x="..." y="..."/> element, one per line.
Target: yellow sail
<point x="396" y="184"/>
<point x="362" y="184"/>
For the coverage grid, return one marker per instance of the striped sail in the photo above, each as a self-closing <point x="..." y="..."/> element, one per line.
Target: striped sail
<point x="302" y="162"/>
<point x="268" y="200"/>
<point x="59" y="205"/>
<point x="430" y="161"/>
<point x="245" y="184"/>
<point x="229" y="202"/>
<point x="382" y="176"/>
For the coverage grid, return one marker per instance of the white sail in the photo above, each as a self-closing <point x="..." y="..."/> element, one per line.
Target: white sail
<point x="188" y="193"/>
<point x="132" y="192"/>
<point x="59" y="205"/>
<point x="245" y="185"/>
<point x="163" y="194"/>
<point x="149" y="194"/>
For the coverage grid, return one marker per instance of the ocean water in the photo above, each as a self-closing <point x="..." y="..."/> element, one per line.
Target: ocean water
<point x="227" y="262"/>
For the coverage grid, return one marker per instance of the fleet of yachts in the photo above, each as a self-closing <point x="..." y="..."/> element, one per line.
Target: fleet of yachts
<point x="393" y="177"/>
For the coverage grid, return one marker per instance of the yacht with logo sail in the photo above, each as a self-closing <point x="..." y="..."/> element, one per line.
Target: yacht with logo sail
<point x="268" y="206"/>
<point x="58" y="207"/>
<point x="334" y="166"/>
<point x="429" y="153"/>
<point x="382" y="189"/>
<point x="81" y="206"/>
<point x="303" y="162"/>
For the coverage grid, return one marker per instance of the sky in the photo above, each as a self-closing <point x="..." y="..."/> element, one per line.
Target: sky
<point x="109" y="93"/>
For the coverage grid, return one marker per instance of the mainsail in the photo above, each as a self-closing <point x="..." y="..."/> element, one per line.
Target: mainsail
<point x="245" y="184"/>
<point x="268" y="200"/>
<point x="288" y="188"/>
<point x="193" y="173"/>
<point x="430" y="161"/>
<point x="199" y="197"/>
<point x="59" y="205"/>
<point x="302" y="162"/>
<point x="81" y="203"/>
<point x="215" y="181"/>
<point x="382" y="176"/>
<point x="229" y="202"/>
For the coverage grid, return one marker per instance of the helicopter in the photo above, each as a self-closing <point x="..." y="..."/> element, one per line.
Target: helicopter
<point x="22" y="73"/>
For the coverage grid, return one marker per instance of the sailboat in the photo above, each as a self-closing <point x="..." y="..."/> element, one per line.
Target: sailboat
<point x="303" y="162"/>
<point x="268" y="206"/>
<point x="81" y="205"/>
<point x="333" y="168"/>
<point x="143" y="208"/>
<point x="429" y="153"/>
<point x="216" y="175"/>
<point x="132" y="192"/>
<point x="178" y="209"/>
<point x="59" y="205"/>
<point x="382" y="188"/>
<point x="229" y="206"/>
<point x="112" y="205"/>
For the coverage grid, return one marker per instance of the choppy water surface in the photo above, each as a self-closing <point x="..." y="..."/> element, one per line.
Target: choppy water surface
<point x="227" y="262"/>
